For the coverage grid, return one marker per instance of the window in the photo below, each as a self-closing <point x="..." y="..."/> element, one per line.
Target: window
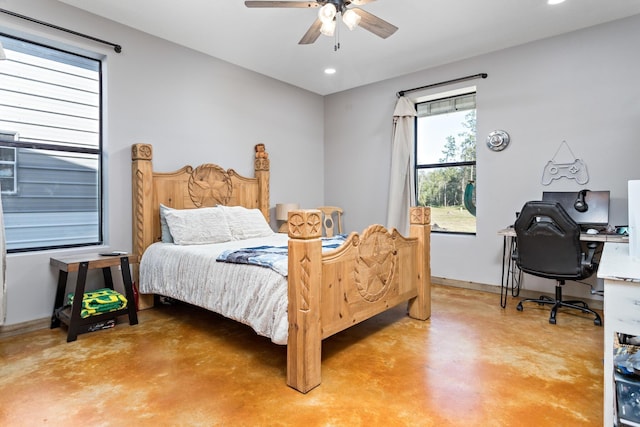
<point x="50" y="147"/>
<point x="8" y="170"/>
<point x="446" y="161"/>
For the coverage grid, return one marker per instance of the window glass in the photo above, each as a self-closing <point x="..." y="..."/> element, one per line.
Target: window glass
<point x="50" y="147"/>
<point x="7" y="170"/>
<point x="446" y="162"/>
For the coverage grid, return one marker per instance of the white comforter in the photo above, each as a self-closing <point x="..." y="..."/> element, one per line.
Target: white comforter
<point x="255" y="296"/>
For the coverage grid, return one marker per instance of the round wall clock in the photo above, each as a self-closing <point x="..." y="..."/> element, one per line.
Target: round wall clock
<point x="498" y="140"/>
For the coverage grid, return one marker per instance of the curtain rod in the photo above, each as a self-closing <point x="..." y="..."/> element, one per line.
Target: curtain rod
<point x="116" y="47"/>
<point x="461" y="79"/>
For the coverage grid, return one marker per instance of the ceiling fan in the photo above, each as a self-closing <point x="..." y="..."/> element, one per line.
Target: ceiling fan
<point x="326" y="21"/>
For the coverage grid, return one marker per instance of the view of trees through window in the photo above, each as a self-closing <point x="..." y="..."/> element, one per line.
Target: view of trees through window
<point x="446" y="162"/>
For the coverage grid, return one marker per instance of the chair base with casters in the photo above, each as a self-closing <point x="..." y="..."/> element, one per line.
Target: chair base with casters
<point x="558" y="302"/>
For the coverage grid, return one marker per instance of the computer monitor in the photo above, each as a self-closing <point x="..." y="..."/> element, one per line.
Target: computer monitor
<point x="596" y="214"/>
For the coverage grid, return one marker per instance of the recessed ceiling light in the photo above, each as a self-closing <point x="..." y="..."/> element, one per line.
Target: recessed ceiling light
<point x="555" y="1"/>
<point x="329" y="70"/>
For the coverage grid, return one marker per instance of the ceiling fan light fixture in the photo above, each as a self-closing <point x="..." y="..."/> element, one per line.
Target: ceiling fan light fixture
<point x="328" y="28"/>
<point x="327" y="13"/>
<point x="351" y="19"/>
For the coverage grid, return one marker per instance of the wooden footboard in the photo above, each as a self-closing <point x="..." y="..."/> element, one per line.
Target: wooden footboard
<point x="330" y="292"/>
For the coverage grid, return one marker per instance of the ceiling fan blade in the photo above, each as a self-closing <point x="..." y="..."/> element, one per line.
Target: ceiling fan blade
<point x="268" y="3"/>
<point x="376" y="25"/>
<point x="312" y="33"/>
<point x="361" y="2"/>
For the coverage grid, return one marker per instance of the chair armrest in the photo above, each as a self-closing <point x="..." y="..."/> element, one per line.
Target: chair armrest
<point x="587" y="258"/>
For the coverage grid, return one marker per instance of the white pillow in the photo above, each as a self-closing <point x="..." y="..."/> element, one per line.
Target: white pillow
<point x="166" y="236"/>
<point x="198" y="226"/>
<point x="246" y="223"/>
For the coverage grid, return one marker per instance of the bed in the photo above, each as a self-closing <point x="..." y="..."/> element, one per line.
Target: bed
<point x="325" y="290"/>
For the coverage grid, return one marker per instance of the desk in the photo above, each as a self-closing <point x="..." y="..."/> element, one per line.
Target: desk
<point x="511" y="274"/>
<point x="585" y="237"/>
<point x="621" y="275"/>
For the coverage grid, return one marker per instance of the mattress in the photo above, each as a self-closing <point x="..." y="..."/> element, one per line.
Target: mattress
<point x="253" y="295"/>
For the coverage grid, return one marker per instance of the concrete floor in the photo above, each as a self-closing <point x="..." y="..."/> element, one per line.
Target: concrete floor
<point x="471" y="364"/>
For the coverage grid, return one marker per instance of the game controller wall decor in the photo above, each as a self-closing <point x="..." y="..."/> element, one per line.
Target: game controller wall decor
<point x="576" y="169"/>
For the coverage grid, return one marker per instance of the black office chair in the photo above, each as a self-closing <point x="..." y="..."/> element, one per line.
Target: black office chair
<point x="548" y="245"/>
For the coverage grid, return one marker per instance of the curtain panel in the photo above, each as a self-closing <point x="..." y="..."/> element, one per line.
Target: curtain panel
<point x="401" y="180"/>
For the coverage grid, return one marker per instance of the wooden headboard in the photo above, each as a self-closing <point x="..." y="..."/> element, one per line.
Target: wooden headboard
<point x="189" y="187"/>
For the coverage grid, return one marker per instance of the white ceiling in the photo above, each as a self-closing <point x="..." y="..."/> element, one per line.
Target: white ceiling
<point x="431" y="33"/>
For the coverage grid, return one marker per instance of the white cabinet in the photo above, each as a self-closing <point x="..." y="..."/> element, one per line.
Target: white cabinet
<point x="621" y="275"/>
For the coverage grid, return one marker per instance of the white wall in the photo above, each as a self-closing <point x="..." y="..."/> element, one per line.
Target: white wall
<point x="193" y="108"/>
<point x="581" y="87"/>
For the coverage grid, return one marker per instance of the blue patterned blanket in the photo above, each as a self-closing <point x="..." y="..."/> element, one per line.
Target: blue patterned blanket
<point x="273" y="257"/>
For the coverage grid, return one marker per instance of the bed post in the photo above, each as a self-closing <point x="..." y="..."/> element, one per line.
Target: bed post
<point x="305" y="279"/>
<point x="142" y="198"/>
<point x="420" y="218"/>
<point x="261" y="173"/>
